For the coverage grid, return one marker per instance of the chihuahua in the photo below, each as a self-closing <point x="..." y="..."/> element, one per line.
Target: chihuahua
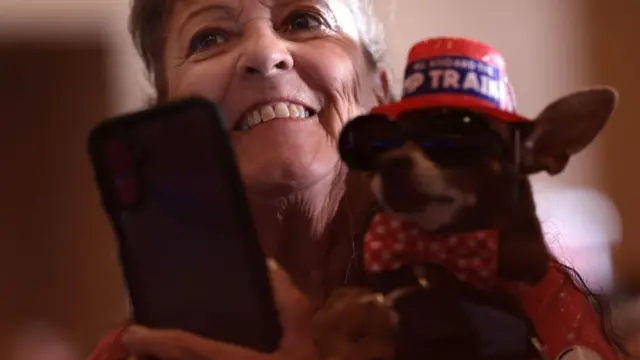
<point x="451" y="171"/>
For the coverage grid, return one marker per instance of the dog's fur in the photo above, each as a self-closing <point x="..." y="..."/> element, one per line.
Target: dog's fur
<point x="480" y="196"/>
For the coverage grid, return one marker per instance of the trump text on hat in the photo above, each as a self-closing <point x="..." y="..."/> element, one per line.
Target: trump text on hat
<point x="460" y="75"/>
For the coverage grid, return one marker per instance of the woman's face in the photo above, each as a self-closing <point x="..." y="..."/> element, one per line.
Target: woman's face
<point x="287" y="73"/>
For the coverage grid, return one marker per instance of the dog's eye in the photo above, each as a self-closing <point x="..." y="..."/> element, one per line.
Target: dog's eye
<point x="470" y="125"/>
<point x="446" y="121"/>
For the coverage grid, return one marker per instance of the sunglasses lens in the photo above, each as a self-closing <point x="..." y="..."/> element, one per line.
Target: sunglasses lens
<point x="450" y="137"/>
<point x="365" y="138"/>
<point x="455" y="152"/>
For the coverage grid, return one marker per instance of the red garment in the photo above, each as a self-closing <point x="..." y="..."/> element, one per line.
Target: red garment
<point x="391" y="243"/>
<point x="565" y="320"/>
<point x="110" y="348"/>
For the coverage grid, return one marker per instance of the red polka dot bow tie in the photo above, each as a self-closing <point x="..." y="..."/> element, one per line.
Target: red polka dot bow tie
<point x="391" y="244"/>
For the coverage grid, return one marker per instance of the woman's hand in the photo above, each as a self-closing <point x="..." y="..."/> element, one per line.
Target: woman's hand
<point x="295" y="317"/>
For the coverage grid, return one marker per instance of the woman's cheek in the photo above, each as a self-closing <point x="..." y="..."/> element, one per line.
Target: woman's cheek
<point x="336" y="70"/>
<point x="199" y="79"/>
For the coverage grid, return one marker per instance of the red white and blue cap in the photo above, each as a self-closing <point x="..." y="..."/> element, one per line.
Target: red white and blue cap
<point x="456" y="72"/>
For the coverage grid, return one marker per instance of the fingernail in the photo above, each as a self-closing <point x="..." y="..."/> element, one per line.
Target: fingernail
<point x="272" y="264"/>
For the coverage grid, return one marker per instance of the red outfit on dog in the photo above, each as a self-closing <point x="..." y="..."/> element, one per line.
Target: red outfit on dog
<point x="564" y="318"/>
<point x="562" y="315"/>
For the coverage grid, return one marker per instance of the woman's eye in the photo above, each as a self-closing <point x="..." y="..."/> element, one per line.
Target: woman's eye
<point x="303" y="21"/>
<point x="205" y="40"/>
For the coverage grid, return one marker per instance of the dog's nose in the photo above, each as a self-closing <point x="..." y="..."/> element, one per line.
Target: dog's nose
<point x="396" y="166"/>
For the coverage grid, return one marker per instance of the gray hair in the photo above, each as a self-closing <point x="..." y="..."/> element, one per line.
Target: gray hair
<point x="370" y="29"/>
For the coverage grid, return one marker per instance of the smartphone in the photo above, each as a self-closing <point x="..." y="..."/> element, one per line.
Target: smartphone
<point x="188" y="247"/>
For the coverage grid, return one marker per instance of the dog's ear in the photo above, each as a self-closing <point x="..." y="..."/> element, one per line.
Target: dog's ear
<point x="565" y="128"/>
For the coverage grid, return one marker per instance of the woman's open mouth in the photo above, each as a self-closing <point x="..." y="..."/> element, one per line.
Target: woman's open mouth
<point x="273" y="111"/>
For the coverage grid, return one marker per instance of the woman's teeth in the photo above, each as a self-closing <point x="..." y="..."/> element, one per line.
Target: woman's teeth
<point x="279" y="110"/>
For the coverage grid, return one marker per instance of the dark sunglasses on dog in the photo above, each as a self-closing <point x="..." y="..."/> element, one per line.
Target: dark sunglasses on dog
<point x="450" y="137"/>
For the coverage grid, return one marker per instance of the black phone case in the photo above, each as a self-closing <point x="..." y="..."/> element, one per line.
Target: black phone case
<point x="181" y="221"/>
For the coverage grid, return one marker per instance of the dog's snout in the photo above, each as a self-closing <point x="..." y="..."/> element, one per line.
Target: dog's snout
<point x="396" y="165"/>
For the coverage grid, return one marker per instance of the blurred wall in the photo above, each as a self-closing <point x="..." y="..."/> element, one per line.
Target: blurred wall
<point x="614" y="51"/>
<point x="99" y="20"/>
<point x="64" y="66"/>
<point x="57" y="256"/>
<point x="551" y="47"/>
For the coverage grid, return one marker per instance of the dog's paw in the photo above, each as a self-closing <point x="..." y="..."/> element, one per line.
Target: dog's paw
<point x="354" y="325"/>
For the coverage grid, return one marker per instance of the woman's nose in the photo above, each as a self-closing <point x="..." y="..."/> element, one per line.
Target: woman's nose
<point x="264" y="53"/>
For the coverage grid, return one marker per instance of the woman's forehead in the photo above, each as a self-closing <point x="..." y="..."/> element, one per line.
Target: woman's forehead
<point x="340" y="10"/>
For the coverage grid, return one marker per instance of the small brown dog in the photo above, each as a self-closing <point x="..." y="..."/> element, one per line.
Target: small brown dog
<point x="450" y="171"/>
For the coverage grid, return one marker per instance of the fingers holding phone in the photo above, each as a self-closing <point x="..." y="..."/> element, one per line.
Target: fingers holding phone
<point x="293" y="307"/>
<point x="295" y="316"/>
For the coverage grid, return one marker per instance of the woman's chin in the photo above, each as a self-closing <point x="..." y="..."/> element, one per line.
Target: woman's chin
<point x="282" y="159"/>
<point x="282" y="176"/>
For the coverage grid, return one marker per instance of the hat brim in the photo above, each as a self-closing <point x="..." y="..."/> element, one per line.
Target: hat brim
<point x="445" y="100"/>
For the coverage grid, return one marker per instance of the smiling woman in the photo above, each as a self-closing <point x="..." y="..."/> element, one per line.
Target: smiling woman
<point x="288" y="74"/>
